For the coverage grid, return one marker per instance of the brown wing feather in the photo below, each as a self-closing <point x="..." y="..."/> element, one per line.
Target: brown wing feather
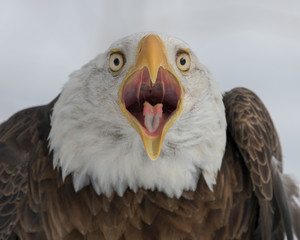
<point x="13" y="187"/>
<point x="252" y="130"/>
<point x="16" y="148"/>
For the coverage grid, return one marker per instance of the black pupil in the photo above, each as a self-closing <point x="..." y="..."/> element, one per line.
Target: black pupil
<point x="117" y="61"/>
<point x="182" y="61"/>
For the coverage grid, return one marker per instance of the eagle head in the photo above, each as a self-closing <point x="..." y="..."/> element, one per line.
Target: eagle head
<point x="144" y="114"/>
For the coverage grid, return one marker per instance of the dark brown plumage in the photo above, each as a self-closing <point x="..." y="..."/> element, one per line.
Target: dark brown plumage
<point x="248" y="201"/>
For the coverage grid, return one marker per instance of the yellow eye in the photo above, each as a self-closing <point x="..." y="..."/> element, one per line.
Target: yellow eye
<point x="116" y="62"/>
<point x="183" y="61"/>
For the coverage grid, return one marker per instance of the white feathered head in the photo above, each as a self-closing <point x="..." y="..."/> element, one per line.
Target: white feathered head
<point x="144" y="114"/>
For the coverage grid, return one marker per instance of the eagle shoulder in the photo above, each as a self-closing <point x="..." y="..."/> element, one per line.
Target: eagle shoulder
<point x="252" y="130"/>
<point x="18" y="138"/>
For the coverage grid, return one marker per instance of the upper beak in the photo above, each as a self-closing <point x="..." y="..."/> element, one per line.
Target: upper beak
<point x="151" y="94"/>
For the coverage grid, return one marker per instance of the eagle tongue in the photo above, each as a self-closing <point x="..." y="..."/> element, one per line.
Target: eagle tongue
<point x="153" y="115"/>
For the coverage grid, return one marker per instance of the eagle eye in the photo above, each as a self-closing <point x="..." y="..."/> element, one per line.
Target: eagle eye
<point x="183" y="61"/>
<point x="116" y="62"/>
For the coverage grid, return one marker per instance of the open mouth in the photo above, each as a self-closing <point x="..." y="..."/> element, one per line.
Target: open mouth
<point x="151" y="105"/>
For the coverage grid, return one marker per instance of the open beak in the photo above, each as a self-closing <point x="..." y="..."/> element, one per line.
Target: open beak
<point x="151" y="94"/>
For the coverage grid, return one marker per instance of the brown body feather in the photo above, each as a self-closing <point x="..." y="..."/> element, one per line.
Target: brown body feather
<point x="246" y="202"/>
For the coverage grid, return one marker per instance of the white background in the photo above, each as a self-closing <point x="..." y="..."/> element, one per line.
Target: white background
<point x="254" y="44"/>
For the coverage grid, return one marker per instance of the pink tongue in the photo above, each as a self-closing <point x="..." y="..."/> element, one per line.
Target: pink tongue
<point x="152" y="115"/>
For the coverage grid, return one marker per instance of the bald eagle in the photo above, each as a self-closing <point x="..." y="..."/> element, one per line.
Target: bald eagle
<point x="142" y="144"/>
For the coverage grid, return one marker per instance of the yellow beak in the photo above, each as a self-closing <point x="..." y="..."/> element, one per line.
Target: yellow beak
<point x="150" y="78"/>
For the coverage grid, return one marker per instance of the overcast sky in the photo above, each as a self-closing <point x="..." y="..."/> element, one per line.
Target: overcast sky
<point x="254" y="44"/>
